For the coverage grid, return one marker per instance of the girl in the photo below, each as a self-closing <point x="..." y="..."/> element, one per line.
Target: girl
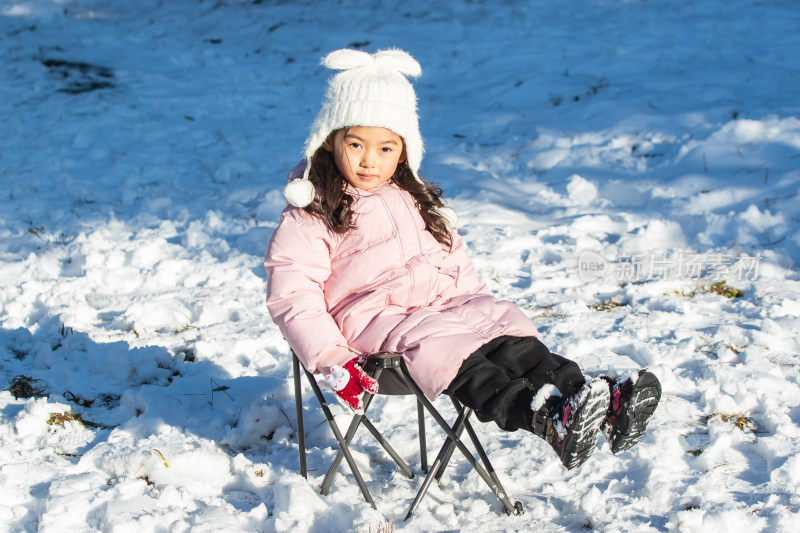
<point x="367" y="259"/>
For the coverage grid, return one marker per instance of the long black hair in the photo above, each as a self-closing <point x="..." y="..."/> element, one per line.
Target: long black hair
<point x="334" y="205"/>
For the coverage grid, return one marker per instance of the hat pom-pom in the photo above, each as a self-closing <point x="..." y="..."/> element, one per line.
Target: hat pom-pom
<point x="449" y="215"/>
<point x="299" y="193"/>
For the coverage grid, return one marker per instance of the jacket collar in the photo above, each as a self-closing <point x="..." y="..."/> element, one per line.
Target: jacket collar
<point x="355" y="192"/>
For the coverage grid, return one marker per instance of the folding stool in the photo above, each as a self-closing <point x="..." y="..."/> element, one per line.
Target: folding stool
<point x="390" y="371"/>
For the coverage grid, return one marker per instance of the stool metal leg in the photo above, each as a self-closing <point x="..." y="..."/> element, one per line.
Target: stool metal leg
<point x="484" y="457"/>
<point x="477" y="443"/>
<point x="423" y="444"/>
<point x="340" y="439"/>
<point x="351" y="431"/>
<point x="501" y="495"/>
<point x="328" y="481"/>
<point x="479" y="449"/>
<point x="298" y="405"/>
<point x="401" y="464"/>
<point x="438" y="463"/>
<point x="450" y="449"/>
<point x="362" y="420"/>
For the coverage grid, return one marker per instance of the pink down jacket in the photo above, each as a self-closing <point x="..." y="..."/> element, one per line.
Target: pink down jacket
<point x="386" y="285"/>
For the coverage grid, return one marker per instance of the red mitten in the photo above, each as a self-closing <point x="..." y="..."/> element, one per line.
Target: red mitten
<point x="349" y="383"/>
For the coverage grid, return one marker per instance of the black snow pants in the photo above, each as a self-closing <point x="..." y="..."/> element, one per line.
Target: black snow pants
<point x="500" y="379"/>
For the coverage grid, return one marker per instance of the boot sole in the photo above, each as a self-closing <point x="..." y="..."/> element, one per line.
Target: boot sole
<point x="632" y="422"/>
<point x="579" y="443"/>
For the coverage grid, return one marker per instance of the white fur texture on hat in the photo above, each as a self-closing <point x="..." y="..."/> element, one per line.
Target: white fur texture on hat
<point x="371" y="90"/>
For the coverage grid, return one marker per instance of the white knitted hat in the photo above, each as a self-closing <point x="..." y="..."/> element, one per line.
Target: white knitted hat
<point x="371" y="90"/>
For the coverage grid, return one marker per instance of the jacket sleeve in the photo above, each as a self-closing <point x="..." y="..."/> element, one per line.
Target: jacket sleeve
<point x="467" y="281"/>
<point x="298" y="264"/>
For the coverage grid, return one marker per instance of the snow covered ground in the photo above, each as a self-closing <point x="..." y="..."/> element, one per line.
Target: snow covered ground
<point x="610" y="161"/>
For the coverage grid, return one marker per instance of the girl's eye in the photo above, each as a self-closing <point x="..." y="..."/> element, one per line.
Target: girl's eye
<point x="355" y="145"/>
<point x="386" y="149"/>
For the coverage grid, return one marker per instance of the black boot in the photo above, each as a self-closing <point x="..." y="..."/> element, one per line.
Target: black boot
<point x="570" y="425"/>
<point x="633" y="401"/>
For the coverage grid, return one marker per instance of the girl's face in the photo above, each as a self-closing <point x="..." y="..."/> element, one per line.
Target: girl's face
<point x="366" y="156"/>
